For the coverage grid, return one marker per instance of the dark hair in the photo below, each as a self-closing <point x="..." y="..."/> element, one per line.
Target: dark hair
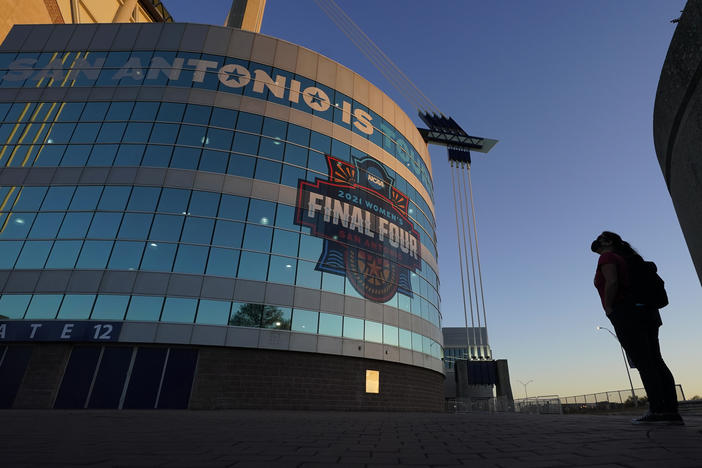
<point x="619" y="245"/>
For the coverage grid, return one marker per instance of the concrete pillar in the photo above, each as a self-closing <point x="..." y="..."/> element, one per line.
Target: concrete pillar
<point x="124" y="12"/>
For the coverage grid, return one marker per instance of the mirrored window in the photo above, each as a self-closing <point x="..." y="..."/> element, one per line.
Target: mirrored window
<point x="304" y="321"/>
<point x="213" y="312"/>
<point x="330" y="324"/>
<point x="353" y="328"/>
<point x="145" y="308"/>
<point x="110" y="307"/>
<point x="76" y="306"/>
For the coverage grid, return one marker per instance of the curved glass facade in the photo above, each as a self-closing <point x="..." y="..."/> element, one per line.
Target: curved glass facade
<point x="88" y="184"/>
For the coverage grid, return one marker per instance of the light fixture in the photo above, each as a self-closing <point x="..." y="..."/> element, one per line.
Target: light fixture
<point x="153" y="244"/>
<point x="288" y="266"/>
<point x="264" y="220"/>
<point x="19" y="221"/>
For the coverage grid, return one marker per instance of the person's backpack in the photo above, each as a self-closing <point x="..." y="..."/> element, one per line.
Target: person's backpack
<point x="647" y="287"/>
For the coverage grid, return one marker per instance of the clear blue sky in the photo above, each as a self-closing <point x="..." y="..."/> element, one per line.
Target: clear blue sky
<point x="568" y="88"/>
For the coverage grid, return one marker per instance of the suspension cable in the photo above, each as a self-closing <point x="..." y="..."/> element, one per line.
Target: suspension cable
<point x="459" y="220"/>
<point x="460" y="263"/>
<point x="477" y="251"/>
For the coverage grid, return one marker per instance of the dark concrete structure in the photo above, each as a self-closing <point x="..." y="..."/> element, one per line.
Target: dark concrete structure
<point x="677" y="126"/>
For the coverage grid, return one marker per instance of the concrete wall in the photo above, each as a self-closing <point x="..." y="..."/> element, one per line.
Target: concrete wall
<point x="677" y="126"/>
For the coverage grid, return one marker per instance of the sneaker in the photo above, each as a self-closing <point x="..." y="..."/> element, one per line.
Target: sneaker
<point x="661" y="419"/>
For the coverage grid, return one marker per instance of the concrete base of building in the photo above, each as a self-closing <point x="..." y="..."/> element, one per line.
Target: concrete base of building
<point x="77" y="375"/>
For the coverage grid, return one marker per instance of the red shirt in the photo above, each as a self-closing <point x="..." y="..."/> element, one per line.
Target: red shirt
<point x="622" y="276"/>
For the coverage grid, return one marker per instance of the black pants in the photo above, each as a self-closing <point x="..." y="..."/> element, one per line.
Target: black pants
<point x="637" y="331"/>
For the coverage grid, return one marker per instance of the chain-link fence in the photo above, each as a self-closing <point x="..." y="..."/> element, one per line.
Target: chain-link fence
<point x="468" y="405"/>
<point x="546" y="404"/>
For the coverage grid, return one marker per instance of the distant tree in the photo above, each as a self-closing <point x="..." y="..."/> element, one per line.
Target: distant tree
<point x="260" y="316"/>
<point x="696" y="397"/>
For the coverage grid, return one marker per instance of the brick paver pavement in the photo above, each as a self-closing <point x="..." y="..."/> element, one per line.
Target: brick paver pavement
<point x="322" y="439"/>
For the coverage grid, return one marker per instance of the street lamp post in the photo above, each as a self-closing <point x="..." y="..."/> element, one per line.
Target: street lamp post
<point x="626" y="364"/>
<point x="526" y="397"/>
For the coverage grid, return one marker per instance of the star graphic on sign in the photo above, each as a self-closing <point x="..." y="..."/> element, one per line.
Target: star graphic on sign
<point x="316" y="99"/>
<point x="236" y="75"/>
<point x="374" y="269"/>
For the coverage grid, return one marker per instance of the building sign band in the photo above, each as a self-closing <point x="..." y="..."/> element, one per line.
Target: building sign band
<point x="56" y="330"/>
<point x="368" y="237"/>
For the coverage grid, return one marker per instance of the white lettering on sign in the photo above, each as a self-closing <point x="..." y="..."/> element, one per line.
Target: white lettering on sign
<point x="67" y="329"/>
<point x="103" y="332"/>
<point x="35" y="327"/>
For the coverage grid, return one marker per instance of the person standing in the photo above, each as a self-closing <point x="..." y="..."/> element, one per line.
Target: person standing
<point x="636" y="326"/>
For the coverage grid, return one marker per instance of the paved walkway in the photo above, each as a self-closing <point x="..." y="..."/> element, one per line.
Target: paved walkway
<point x="320" y="439"/>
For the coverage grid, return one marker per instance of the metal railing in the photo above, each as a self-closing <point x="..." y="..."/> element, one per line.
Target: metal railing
<point x="610" y="401"/>
<point x="545" y="404"/>
<point x="468" y="405"/>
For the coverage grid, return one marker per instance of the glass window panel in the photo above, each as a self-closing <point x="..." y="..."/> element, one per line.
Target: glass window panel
<point x="126" y="255"/>
<point x="104" y="225"/>
<point x="416" y="342"/>
<point x="274" y="128"/>
<point x="319" y="142"/>
<point x="102" y="155"/>
<point x="59" y="133"/>
<point x="246" y="315"/>
<point x="405" y="338"/>
<point x="70" y="111"/>
<point x="233" y="207"/>
<point x="276" y="317"/>
<point x="135" y="226"/>
<point x="30" y="198"/>
<point x="203" y="203"/>
<point x="17" y="225"/>
<point x="158" y="256"/>
<point x="145" y="308"/>
<point x="222" y="262"/>
<point x="197" y="114"/>
<point x="192" y="135"/>
<point x="330" y="324"/>
<point x="34" y="254"/>
<point x="307" y="275"/>
<point x="109" y="307"/>
<point x="333" y="283"/>
<point x="282" y="270"/>
<point x="76" y="306"/>
<point x="166" y="228"/>
<point x="179" y="309"/>
<point x="258" y="238"/>
<point x="157" y="156"/>
<point x="390" y="335"/>
<point x="85" y="133"/>
<point x="268" y="170"/>
<point x="295" y="154"/>
<point x="240" y="165"/>
<point x="76" y="155"/>
<point x="114" y="198"/>
<point x="144" y="199"/>
<point x="353" y="328"/>
<point x="64" y="254"/>
<point x="271" y="148"/>
<point x="94" y="254"/>
<point x="249" y="122"/>
<point x="94" y="111"/>
<point x="374" y="331"/>
<point x="299" y="135"/>
<point x="57" y="198"/>
<point x="219" y="139"/>
<point x="253" y="266"/>
<point x="285" y="242"/>
<point x="13" y="306"/>
<point x="137" y="132"/>
<point x="351" y="290"/>
<point x="310" y="247"/>
<point x="129" y="155"/>
<point x="171" y="112"/>
<point x="46" y="226"/>
<point x="224" y="118"/>
<point x="213" y="161"/>
<point x="145" y="111"/>
<point x="304" y="321"/>
<point x="197" y="230"/>
<point x="9" y="250"/>
<point x="75" y="225"/>
<point x="285" y="218"/>
<point x="186" y="158"/>
<point x="317" y="162"/>
<point x="292" y="175"/>
<point x="191" y="259"/>
<point x="85" y="198"/>
<point x="44" y="306"/>
<point x="228" y="233"/>
<point x="164" y="133"/>
<point x="213" y="312"/>
<point x="404" y="302"/>
<point x="119" y="111"/>
<point x="261" y="212"/>
<point x="174" y="201"/>
<point x="245" y="143"/>
<point x="50" y="155"/>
